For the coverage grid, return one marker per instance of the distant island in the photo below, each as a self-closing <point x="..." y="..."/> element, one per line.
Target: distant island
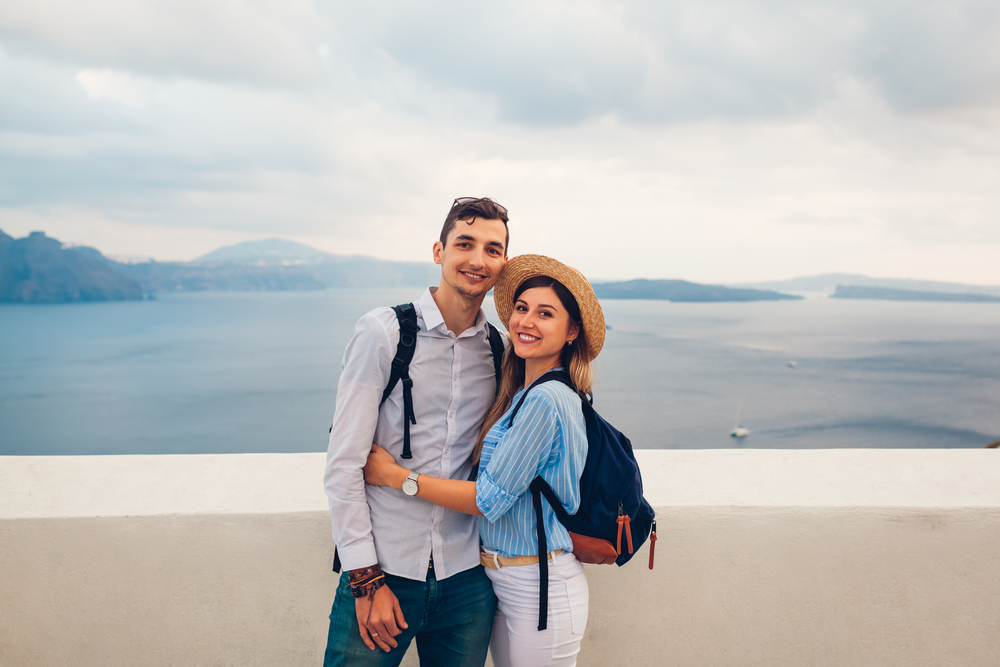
<point x="681" y="290"/>
<point x="39" y="269"/>
<point x="827" y="283"/>
<point x="888" y="294"/>
<point x="278" y="265"/>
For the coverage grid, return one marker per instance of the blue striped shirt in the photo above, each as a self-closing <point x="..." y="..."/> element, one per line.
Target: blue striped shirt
<point x="548" y="438"/>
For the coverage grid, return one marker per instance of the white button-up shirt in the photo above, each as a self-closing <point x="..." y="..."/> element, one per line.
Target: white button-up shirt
<point x="454" y="385"/>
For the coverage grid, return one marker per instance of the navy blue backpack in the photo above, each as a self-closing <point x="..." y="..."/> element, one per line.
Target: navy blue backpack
<point x="613" y="519"/>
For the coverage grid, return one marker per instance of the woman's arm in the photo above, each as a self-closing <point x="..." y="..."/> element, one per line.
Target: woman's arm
<point x="453" y="494"/>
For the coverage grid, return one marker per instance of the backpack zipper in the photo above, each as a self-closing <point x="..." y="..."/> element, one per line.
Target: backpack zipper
<point x="624" y="522"/>
<point x="652" y="544"/>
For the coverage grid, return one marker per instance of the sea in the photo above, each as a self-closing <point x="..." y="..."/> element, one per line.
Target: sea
<point x="221" y="372"/>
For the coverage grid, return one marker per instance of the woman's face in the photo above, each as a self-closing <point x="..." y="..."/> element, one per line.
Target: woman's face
<point x="540" y="326"/>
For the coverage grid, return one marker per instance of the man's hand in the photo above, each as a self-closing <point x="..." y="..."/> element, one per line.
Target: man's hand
<point x="380" y="620"/>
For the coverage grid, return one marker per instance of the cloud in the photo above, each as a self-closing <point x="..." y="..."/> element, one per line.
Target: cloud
<point x="267" y="43"/>
<point x="544" y="64"/>
<point x="932" y="54"/>
<point x="557" y="63"/>
<point x="108" y="137"/>
<point x="114" y="85"/>
<point x="113" y="237"/>
<point x="713" y="141"/>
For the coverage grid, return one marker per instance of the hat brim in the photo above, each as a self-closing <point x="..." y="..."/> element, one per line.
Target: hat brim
<point x="523" y="267"/>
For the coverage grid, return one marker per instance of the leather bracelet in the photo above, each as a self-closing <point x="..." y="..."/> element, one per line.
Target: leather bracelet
<point x="368" y="588"/>
<point x="366" y="580"/>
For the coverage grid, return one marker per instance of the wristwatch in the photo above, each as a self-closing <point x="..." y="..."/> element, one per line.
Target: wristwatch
<point x="410" y="487"/>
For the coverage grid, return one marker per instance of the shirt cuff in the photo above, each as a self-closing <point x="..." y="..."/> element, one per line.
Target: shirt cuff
<point x="357" y="556"/>
<point x="491" y="500"/>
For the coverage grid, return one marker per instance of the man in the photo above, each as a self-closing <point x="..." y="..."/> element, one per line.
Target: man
<point x="411" y="569"/>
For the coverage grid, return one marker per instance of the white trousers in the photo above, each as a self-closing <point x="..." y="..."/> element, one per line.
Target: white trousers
<point x="516" y="640"/>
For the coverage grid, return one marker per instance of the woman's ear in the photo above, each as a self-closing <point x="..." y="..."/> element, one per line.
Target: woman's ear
<point x="573" y="333"/>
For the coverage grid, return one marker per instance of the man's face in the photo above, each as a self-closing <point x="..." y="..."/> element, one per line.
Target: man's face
<point x="473" y="257"/>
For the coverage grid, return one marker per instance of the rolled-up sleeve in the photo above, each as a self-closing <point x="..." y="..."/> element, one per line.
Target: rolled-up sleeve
<point x="519" y="456"/>
<point x="491" y="499"/>
<point x="364" y="372"/>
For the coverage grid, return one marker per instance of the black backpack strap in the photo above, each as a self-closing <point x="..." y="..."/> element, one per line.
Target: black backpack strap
<point x="543" y="556"/>
<point x="336" y="560"/>
<point x="539" y="487"/>
<point x="561" y="376"/>
<point x="496" y="347"/>
<point x="553" y="499"/>
<point x="407" y="317"/>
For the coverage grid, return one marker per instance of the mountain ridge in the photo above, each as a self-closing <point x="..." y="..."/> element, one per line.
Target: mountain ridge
<point x="40" y="269"/>
<point x="271" y="250"/>
<point x="890" y="294"/>
<point x="683" y="291"/>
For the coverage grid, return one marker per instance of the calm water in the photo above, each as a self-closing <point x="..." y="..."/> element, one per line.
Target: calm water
<point x="232" y="372"/>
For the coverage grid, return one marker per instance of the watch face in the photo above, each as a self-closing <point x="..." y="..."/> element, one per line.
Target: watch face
<point x="410" y="487"/>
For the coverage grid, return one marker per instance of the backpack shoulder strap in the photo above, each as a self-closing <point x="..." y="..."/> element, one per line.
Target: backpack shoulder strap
<point x="406" y="315"/>
<point x="496" y="347"/>
<point x="539" y="487"/>
<point x="561" y="376"/>
<point x="543" y="557"/>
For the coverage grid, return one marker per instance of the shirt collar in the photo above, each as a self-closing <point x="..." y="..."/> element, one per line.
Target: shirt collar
<point x="429" y="312"/>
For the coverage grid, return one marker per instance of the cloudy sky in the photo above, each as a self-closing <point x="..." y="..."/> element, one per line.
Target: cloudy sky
<point x="711" y="141"/>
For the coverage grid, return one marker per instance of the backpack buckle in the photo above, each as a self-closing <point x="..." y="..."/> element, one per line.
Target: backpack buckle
<point x="408" y="333"/>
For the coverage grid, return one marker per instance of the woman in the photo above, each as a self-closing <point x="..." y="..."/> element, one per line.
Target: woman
<point x="554" y="321"/>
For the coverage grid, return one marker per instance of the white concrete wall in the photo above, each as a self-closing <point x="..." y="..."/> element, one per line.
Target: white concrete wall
<point x="777" y="558"/>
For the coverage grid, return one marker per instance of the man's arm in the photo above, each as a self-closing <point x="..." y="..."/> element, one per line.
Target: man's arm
<point x="364" y="373"/>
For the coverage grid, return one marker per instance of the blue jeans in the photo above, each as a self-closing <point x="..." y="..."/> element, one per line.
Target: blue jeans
<point x="451" y="620"/>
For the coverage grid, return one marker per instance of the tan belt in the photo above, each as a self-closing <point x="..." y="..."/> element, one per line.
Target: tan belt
<point x="492" y="560"/>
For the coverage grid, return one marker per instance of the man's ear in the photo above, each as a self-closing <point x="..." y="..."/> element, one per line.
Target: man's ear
<point x="437" y="250"/>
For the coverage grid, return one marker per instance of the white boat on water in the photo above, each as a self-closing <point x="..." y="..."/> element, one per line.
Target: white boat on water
<point x="739" y="431"/>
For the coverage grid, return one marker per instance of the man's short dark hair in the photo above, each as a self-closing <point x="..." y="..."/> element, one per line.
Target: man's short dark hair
<point x="467" y="209"/>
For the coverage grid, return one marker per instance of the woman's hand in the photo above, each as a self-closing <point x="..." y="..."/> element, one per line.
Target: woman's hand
<point x="382" y="470"/>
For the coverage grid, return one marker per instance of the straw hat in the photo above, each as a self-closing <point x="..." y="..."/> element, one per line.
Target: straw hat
<point x="522" y="267"/>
